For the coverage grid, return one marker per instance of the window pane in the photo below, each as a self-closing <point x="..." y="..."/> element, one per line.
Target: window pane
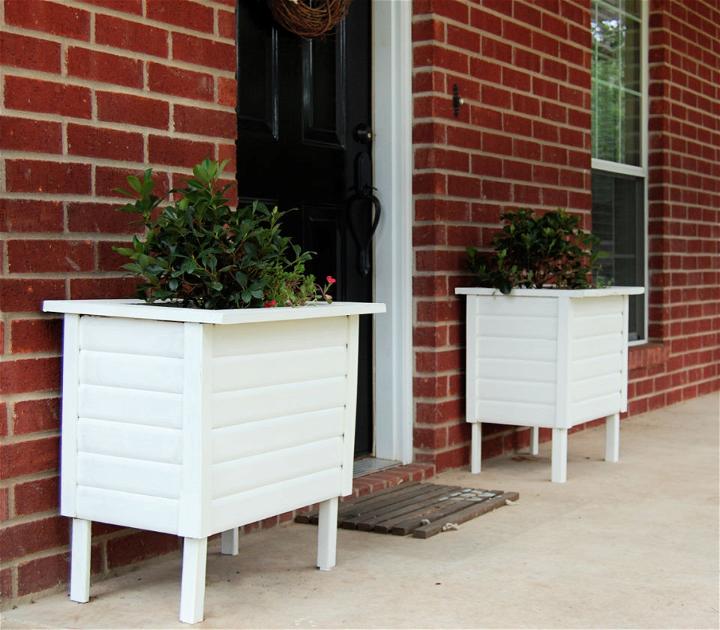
<point x="606" y="143"/>
<point x="618" y="221"/>
<point x="630" y="121"/>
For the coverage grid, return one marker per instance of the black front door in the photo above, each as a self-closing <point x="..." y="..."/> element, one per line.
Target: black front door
<point x="303" y="142"/>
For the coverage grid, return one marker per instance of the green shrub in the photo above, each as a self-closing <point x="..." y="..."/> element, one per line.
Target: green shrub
<point x="199" y="252"/>
<point x="531" y="251"/>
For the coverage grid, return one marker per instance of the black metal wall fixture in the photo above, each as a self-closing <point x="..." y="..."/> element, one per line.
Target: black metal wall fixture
<point x="457" y="100"/>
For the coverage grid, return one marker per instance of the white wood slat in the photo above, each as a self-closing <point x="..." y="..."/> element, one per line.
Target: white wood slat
<point x="587" y="348"/>
<point x="134" y="476"/>
<point x="138" y="406"/>
<point x="116" y="335"/>
<point x="509" y="305"/>
<point x="351" y="365"/>
<point x="515" y="412"/>
<point x="252" y="339"/>
<point x="516" y="390"/>
<point x="275" y="368"/>
<point x="270" y="468"/>
<point x="134" y="441"/>
<point x="254" y="505"/>
<point x="229" y="408"/>
<point x="587" y="327"/>
<point x="158" y="374"/>
<point x="494" y="347"/>
<point x="519" y="370"/>
<point x="68" y="443"/>
<point x="595" y="408"/>
<point x="129" y="510"/>
<point x="507" y="327"/>
<point x="581" y="369"/>
<point x="254" y="438"/>
<point x="592" y="307"/>
<point x="596" y="387"/>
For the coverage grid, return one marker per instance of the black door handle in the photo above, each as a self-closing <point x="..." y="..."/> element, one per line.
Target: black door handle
<point x="363" y="200"/>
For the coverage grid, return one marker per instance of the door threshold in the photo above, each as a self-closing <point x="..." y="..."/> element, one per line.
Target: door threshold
<point x="368" y="465"/>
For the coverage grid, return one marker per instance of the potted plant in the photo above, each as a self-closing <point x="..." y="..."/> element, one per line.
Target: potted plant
<point x="546" y="342"/>
<point x="224" y="395"/>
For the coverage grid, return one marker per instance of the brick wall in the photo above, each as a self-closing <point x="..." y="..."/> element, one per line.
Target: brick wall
<point x="522" y="139"/>
<point x="91" y="90"/>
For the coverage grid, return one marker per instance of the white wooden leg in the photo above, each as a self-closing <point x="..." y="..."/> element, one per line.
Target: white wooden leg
<point x="559" y="456"/>
<point x="327" y="534"/>
<point x="534" y="440"/>
<point x="612" y="438"/>
<point x="230" y="542"/>
<point x="192" y="589"/>
<point x="476" y="448"/>
<point x="80" y="561"/>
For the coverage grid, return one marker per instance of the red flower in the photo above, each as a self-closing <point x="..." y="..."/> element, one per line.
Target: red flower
<point x="330" y="280"/>
<point x="270" y="304"/>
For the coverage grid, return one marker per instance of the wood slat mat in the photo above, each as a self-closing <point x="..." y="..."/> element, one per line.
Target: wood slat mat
<point x="420" y="509"/>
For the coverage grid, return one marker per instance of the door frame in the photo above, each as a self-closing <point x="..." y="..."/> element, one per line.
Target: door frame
<point x="393" y="166"/>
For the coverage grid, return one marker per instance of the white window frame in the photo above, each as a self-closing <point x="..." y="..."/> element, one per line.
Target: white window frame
<point x="642" y="170"/>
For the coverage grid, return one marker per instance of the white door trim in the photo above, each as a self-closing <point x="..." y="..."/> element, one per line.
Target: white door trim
<point x="392" y="160"/>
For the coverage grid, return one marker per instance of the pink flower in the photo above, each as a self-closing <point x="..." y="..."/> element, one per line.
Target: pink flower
<point x="270" y="304"/>
<point x="330" y="280"/>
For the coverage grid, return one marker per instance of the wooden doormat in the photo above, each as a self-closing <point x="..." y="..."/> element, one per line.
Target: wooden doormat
<point x="420" y="509"/>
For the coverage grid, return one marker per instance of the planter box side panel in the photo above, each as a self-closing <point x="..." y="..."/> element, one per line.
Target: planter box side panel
<point x="278" y="417"/>
<point x="598" y="370"/>
<point x="513" y="344"/>
<point x="129" y="425"/>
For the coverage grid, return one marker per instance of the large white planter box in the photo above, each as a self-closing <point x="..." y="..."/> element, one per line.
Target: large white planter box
<point x="195" y="422"/>
<point x="547" y="358"/>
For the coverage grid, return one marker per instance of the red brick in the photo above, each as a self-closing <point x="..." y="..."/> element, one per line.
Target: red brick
<point x="49" y="17"/>
<point x="29" y="52"/>
<point x="26" y="538"/>
<point x="48" y="255"/>
<point x="3" y="412"/>
<point x="32" y="95"/>
<point x="119" y="33"/>
<point x="108" y="258"/>
<point x="41" y="495"/>
<point x="206" y="122"/>
<point x="134" y="110"/>
<point x="24" y="134"/>
<point x="126" y="6"/>
<point x="104" y="143"/>
<point x="192" y="15"/>
<point x="104" y="67"/>
<point x="227" y="92"/>
<point x="203" y="52"/>
<point x="32" y="416"/>
<point x="226" y="24"/>
<point x="48" y="177"/>
<point x="453" y="458"/>
<point x="25" y="215"/>
<point x="102" y="288"/>
<point x="429" y="438"/>
<point x="100" y="217"/>
<point x="180" y="82"/>
<point x="36" y="335"/>
<point x="128" y="549"/>
<point x="177" y="152"/>
<point x="22" y="295"/>
<point x="25" y="458"/>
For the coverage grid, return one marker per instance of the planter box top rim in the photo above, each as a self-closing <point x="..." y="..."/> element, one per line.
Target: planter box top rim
<point x="137" y="309"/>
<point x="569" y="293"/>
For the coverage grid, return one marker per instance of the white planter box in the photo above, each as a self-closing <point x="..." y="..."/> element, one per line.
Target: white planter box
<point x="195" y="422"/>
<point x="547" y="358"/>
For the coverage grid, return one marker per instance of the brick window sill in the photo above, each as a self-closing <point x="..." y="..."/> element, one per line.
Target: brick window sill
<point x="647" y="355"/>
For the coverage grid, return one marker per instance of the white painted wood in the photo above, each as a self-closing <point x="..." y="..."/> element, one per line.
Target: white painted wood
<point x="80" y="550"/>
<point x="596" y="387"/>
<point x="592" y="367"/>
<point x="520" y="349"/>
<point x="499" y="305"/>
<point x="624" y="352"/>
<point x="136" y="406"/>
<point x="249" y="473"/>
<point x="575" y="294"/>
<point x="595" y="326"/>
<point x="392" y="246"/>
<point x="250" y="405"/>
<point x="472" y="367"/>
<point x="517" y="327"/>
<point x="129" y="441"/>
<point x="516" y="412"/>
<point x="351" y="379"/>
<point x="534" y="440"/>
<point x="596" y="306"/>
<point x="255" y="505"/>
<point x="141" y="511"/>
<point x="253" y="438"/>
<point x="68" y="443"/>
<point x="158" y="374"/>
<point x="327" y="534"/>
<point x="595" y="408"/>
<point x="561" y="385"/>
<point x="476" y="448"/>
<point x="134" y="476"/>
<point x="192" y="590"/>
<point x="612" y="438"/>
<point x="197" y="451"/>
<point x="516" y="390"/>
<point x="276" y="368"/>
<point x="514" y="370"/>
<point x="559" y="455"/>
<point x="136" y="309"/>
<point x="230" y="542"/>
<point x="115" y="335"/>
<point x="605" y="344"/>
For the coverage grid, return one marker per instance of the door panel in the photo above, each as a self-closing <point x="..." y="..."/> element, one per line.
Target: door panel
<point x="298" y="104"/>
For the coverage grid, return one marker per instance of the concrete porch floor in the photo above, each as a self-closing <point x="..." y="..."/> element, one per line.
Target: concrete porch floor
<point x="633" y="544"/>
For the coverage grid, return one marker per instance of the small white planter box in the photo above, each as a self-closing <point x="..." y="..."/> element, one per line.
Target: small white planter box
<point x="195" y="422"/>
<point x="547" y="358"/>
